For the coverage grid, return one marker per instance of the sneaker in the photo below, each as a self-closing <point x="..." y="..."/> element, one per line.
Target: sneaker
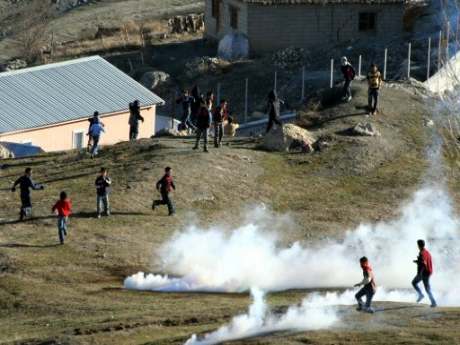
<point x="205" y="150"/>
<point x="153" y="206"/>
<point x="98" y="216"/>
<point x="370" y="310"/>
<point x="195" y="147"/>
<point x="419" y="298"/>
<point x="349" y="99"/>
<point x="433" y="305"/>
<point x="359" y="308"/>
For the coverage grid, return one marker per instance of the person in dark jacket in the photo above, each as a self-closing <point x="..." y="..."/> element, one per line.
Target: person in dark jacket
<point x="196" y="104"/>
<point x="273" y="110"/>
<point x="203" y="122"/>
<point x="368" y="286"/>
<point x="186" y="100"/>
<point x="348" y="75"/>
<point x="134" y="118"/>
<point x="220" y="115"/>
<point x="63" y="209"/>
<point x="424" y="272"/>
<point x="165" y="186"/>
<point x="26" y="183"/>
<point x="103" y="185"/>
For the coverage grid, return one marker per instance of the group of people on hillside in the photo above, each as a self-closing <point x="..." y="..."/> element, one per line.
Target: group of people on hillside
<point x="97" y="127"/>
<point x="103" y="185"/>
<point x="201" y="112"/>
<point x="424" y="271"/>
<point x="374" y="79"/>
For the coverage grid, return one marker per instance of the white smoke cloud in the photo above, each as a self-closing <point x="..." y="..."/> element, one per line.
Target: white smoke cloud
<point x="311" y="314"/>
<point x="249" y="256"/>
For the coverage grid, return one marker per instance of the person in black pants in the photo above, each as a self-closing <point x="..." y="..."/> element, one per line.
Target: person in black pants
<point x="165" y="186"/>
<point x="26" y="183"/>
<point x="273" y="110"/>
<point x="134" y="118"/>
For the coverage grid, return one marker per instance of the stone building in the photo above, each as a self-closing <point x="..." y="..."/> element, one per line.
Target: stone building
<point x="277" y="24"/>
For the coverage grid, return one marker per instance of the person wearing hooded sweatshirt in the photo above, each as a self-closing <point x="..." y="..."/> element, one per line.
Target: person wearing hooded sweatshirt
<point x="348" y="75"/>
<point x="95" y="132"/>
<point x="63" y="209"/>
<point x="92" y="120"/>
<point x="203" y="123"/>
<point x="26" y="183"/>
<point x="424" y="272"/>
<point x="273" y="110"/>
<point x="134" y="118"/>
<point x="368" y="286"/>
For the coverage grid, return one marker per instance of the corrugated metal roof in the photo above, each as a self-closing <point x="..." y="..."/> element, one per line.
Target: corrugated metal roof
<point x="66" y="91"/>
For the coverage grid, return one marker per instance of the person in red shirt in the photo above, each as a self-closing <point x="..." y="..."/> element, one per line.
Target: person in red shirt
<point x="165" y="186"/>
<point x="63" y="209"/>
<point x="368" y="287"/>
<point x="424" y="272"/>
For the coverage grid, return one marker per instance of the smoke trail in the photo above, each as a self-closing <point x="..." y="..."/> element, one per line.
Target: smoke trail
<point x="215" y="260"/>
<point x="312" y="314"/>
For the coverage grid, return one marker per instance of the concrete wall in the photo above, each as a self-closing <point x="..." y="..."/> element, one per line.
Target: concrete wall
<point x="447" y="78"/>
<point x="211" y="30"/>
<point x="60" y="137"/>
<point x="279" y="26"/>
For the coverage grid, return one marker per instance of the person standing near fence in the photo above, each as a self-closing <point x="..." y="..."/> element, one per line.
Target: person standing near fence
<point x="203" y="122"/>
<point x="134" y="118"/>
<point x="220" y="115"/>
<point x="26" y="183"/>
<point x="273" y="110"/>
<point x="165" y="186"/>
<point x="374" y="79"/>
<point x="103" y="185"/>
<point x="424" y="272"/>
<point x="348" y="75"/>
<point x="63" y="209"/>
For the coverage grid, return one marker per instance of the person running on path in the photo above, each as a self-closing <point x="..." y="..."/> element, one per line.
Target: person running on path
<point x="165" y="186"/>
<point x="103" y="185"/>
<point x="63" y="209"/>
<point x="203" y="124"/>
<point x="26" y="183"/>
<point x="368" y="287"/>
<point x="374" y="79"/>
<point x="424" y="272"/>
<point x="348" y="75"/>
<point x="273" y="110"/>
<point x="134" y="118"/>
<point x="220" y="115"/>
<point x="95" y="133"/>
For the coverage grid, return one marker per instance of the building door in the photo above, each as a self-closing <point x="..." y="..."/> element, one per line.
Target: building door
<point x="78" y="138"/>
<point x="216" y="13"/>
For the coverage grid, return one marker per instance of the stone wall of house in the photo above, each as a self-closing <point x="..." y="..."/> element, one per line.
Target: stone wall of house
<point x="272" y="28"/>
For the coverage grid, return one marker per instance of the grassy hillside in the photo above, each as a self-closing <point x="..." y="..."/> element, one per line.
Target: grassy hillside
<point x="73" y="294"/>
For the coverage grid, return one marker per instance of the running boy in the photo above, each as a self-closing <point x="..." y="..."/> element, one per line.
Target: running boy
<point x="368" y="288"/>
<point x="165" y="185"/>
<point x="63" y="209"/>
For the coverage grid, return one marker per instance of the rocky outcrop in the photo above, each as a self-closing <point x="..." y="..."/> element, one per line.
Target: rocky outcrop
<point x="204" y="65"/>
<point x="288" y="137"/>
<point x="191" y="23"/>
<point x="154" y="78"/>
<point x="364" y="129"/>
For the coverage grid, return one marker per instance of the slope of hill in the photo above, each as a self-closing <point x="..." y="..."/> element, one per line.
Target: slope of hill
<point x="73" y="294"/>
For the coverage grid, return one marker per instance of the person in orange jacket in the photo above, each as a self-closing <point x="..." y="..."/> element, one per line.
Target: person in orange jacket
<point x="63" y="209"/>
<point x="368" y="286"/>
<point x="424" y="272"/>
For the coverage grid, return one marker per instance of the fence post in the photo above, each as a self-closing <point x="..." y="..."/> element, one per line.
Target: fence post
<point x="409" y="54"/>
<point x="302" y="96"/>
<point x="218" y="93"/>
<point x="332" y="74"/>
<point x="246" y="93"/>
<point x="385" y="60"/>
<point x="276" y="81"/>
<point x="439" y="50"/>
<point x="428" y="64"/>
<point x="360" y="60"/>
<point x="447" y="40"/>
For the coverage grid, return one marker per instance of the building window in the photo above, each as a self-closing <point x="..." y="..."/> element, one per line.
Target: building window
<point x="233" y="17"/>
<point x="77" y="140"/>
<point x="215" y="8"/>
<point x="367" y="21"/>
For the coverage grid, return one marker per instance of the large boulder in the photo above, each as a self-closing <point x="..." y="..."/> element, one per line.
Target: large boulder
<point x="287" y="138"/>
<point x="365" y="129"/>
<point x="154" y="78"/>
<point x="233" y="46"/>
